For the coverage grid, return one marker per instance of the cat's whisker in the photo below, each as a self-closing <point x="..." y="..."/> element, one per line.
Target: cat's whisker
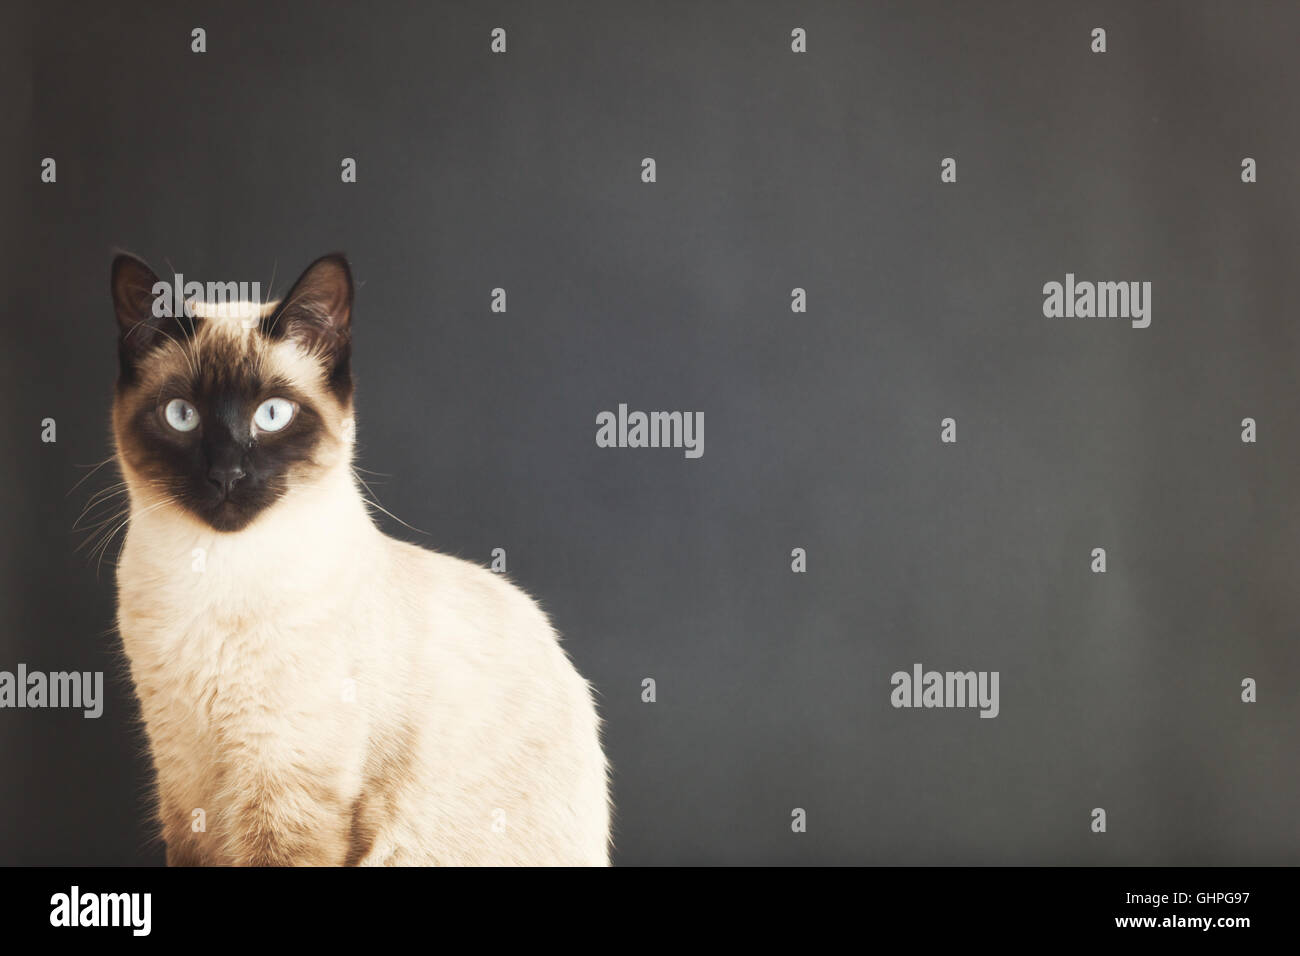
<point x="102" y="548"/>
<point x="92" y="539"/>
<point x="107" y="489"/>
<point x="90" y="508"/>
<point x="99" y="525"/>
<point x="87" y="520"/>
<point x="93" y="469"/>
<point x="372" y="499"/>
<point x="111" y="510"/>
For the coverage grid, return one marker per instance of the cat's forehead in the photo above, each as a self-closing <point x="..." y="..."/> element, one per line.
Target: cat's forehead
<point x="225" y="347"/>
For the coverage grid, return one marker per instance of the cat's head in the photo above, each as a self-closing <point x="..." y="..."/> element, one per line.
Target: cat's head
<point x="225" y="413"/>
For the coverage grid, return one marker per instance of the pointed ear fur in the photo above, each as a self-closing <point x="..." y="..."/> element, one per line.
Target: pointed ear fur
<point x="132" y="283"/>
<point x="317" y="314"/>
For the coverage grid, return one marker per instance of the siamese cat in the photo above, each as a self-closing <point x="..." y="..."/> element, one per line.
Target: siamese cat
<point x="315" y="692"/>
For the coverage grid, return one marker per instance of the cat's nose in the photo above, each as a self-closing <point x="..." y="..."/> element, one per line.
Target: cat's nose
<point x="225" y="476"/>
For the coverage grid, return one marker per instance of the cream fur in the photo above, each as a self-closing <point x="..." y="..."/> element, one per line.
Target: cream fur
<point x="471" y="739"/>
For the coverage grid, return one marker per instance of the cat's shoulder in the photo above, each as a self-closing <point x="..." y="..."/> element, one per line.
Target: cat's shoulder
<point x="453" y="582"/>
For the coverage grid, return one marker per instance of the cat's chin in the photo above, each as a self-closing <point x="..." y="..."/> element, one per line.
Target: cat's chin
<point x="228" y="516"/>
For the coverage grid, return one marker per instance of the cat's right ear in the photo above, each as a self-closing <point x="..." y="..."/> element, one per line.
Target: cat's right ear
<point x="133" y="284"/>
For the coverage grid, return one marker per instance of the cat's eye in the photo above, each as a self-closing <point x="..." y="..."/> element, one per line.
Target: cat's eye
<point x="181" y="415"/>
<point x="273" y="414"/>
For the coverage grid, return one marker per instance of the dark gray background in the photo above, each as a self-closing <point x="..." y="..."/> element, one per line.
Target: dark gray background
<point x="775" y="170"/>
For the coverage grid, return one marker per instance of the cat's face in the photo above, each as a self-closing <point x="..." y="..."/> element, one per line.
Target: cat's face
<point x="224" y="414"/>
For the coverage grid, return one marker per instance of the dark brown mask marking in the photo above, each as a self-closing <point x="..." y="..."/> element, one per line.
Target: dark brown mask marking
<point x="223" y="470"/>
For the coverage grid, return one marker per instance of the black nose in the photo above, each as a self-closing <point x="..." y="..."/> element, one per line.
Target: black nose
<point x="225" y="476"/>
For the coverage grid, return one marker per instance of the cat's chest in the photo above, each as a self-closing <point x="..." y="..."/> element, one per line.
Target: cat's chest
<point x="226" y="653"/>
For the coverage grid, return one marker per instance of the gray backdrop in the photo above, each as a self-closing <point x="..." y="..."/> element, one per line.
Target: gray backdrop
<point x="776" y="170"/>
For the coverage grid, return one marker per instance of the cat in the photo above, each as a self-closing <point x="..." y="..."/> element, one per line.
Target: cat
<point x="315" y="692"/>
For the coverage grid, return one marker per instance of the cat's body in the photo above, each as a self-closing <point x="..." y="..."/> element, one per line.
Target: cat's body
<point x="316" y="692"/>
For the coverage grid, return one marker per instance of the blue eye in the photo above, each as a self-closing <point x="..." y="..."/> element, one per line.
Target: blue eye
<point x="273" y="414"/>
<point x="181" y="415"/>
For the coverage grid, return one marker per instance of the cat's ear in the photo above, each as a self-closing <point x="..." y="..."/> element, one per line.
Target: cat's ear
<point x="132" y="284"/>
<point x="317" y="314"/>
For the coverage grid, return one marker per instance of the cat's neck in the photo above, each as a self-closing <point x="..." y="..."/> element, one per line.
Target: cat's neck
<point x="316" y="539"/>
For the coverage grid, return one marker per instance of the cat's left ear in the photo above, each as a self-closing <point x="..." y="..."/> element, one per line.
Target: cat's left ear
<point x="317" y="314"/>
